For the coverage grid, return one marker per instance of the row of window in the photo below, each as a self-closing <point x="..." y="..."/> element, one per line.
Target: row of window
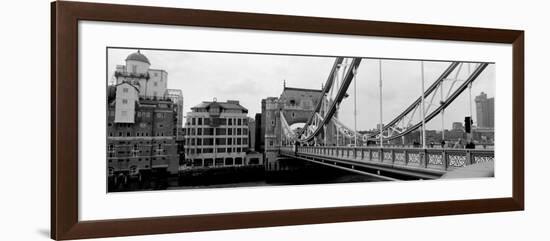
<point x="218" y="141"/>
<point x="139" y="160"/>
<point x="218" y="131"/>
<point x="144" y="114"/>
<point x="218" y="150"/>
<point x="138" y="134"/>
<point x="121" y="143"/>
<point x="112" y="147"/>
<point x="216" y="162"/>
<point x="217" y="121"/>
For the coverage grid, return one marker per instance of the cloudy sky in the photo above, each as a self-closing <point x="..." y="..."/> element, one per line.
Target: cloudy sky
<point x="249" y="78"/>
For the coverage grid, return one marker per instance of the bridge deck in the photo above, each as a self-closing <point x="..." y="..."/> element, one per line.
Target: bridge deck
<point x="412" y="162"/>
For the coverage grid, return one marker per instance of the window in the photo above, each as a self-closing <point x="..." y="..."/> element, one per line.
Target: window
<point x="245" y="121"/>
<point x="238" y="141"/>
<point x="272" y="122"/>
<point x="238" y="131"/>
<point x="239" y="122"/>
<point x="127" y="133"/>
<point x="229" y="122"/>
<point x="199" y="121"/>
<point x="221" y="150"/>
<point x="193" y="121"/>
<point x="199" y="131"/>
<point x="125" y="90"/>
<point x="134" y="68"/>
<point x="220" y="131"/>
<point x="124" y="101"/>
<point x="208" y="141"/>
<point x="208" y="162"/>
<point x="245" y="131"/>
<point x="220" y="141"/>
<point x="238" y="161"/>
<point x="208" y="131"/>
<point x="228" y="161"/>
<point x="219" y="161"/>
<point x="197" y="162"/>
<point x="135" y="150"/>
<point x="139" y="114"/>
<point x="229" y="141"/>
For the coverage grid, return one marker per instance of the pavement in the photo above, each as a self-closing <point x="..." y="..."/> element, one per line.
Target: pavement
<point x="484" y="169"/>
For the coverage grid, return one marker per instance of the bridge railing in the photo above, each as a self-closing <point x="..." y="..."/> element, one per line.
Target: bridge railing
<point x="436" y="159"/>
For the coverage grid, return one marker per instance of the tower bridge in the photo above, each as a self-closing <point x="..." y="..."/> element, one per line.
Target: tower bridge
<point x="325" y="140"/>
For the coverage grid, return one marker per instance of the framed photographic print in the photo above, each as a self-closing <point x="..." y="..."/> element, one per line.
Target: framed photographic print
<point x="174" y="120"/>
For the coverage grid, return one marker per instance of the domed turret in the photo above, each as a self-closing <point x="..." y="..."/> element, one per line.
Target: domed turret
<point x="137" y="63"/>
<point x="137" y="56"/>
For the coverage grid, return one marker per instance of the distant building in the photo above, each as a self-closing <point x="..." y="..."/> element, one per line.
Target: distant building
<point x="485" y="110"/>
<point x="217" y="135"/>
<point x="458" y="126"/>
<point x="143" y="118"/>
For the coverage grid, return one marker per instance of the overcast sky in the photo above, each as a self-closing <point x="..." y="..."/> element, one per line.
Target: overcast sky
<point x="249" y="78"/>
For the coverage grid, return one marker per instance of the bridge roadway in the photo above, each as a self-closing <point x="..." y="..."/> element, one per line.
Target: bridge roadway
<point x="391" y="163"/>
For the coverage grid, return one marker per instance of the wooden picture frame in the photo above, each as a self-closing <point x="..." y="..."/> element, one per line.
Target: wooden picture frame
<point x="64" y="119"/>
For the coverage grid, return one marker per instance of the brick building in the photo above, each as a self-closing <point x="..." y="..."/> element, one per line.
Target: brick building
<point x="143" y="118"/>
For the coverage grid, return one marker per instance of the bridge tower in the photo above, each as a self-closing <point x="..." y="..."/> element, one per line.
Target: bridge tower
<point x="297" y="105"/>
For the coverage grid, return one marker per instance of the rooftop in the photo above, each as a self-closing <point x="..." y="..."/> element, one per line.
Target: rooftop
<point x="229" y="105"/>
<point x="301" y="89"/>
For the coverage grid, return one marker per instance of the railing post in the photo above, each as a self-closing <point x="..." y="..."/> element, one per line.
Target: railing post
<point x="392" y="156"/>
<point x="424" y="158"/>
<point x="469" y="158"/>
<point x="444" y="159"/>
<point x="406" y="152"/>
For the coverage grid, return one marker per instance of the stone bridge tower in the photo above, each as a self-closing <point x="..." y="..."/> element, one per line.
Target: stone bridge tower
<point x="296" y="104"/>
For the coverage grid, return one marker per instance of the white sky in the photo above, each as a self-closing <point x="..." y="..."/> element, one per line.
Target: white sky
<point x="249" y="78"/>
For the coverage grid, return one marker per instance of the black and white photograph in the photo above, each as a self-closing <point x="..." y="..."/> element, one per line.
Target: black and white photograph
<point x="192" y="119"/>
